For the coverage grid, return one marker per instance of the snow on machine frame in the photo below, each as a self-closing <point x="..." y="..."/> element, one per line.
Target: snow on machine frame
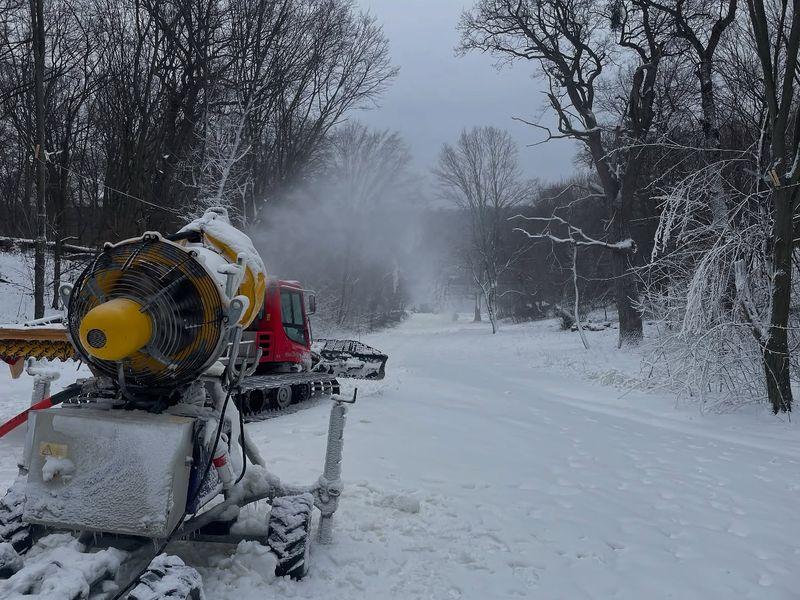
<point x="152" y="448"/>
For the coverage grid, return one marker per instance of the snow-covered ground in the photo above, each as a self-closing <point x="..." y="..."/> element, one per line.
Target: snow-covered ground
<point x="16" y="284"/>
<point x="507" y="467"/>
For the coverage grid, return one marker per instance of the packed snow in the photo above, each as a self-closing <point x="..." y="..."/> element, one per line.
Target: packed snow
<point x="58" y="569"/>
<point x="520" y="465"/>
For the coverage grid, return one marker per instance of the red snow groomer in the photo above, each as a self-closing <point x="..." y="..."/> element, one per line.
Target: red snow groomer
<point x="293" y="366"/>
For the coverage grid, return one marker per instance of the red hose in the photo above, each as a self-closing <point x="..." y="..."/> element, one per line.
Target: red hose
<point x="48" y="402"/>
<point x="15" y="422"/>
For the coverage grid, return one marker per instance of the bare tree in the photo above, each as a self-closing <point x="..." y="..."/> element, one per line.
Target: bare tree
<point x="40" y="153"/>
<point x="559" y="231"/>
<point x="701" y="25"/>
<point x="337" y="60"/>
<point x="481" y="175"/>
<point x="575" y="42"/>
<point x="777" y="41"/>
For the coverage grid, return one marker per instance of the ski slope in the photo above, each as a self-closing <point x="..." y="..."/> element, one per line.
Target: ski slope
<point x="501" y="467"/>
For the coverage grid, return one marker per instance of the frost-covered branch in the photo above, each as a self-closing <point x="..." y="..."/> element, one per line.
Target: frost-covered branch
<point x="745" y="297"/>
<point x="576" y="235"/>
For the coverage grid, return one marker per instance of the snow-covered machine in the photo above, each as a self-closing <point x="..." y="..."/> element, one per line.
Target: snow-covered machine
<point x="153" y="448"/>
<point x="290" y="366"/>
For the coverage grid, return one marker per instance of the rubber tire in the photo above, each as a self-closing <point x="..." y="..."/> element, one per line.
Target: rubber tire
<point x="173" y="579"/>
<point x="301" y="393"/>
<point x="288" y="534"/>
<point x="12" y="529"/>
<point x="285" y="394"/>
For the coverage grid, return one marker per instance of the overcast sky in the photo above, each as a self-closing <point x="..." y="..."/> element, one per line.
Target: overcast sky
<point x="437" y="94"/>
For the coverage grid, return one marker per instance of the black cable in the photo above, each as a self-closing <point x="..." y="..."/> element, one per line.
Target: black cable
<point x="67" y="393"/>
<point x="214" y="447"/>
<point x="178" y="525"/>
<point x="242" y="444"/>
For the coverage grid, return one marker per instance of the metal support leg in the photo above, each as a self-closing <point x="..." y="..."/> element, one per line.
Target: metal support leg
<point x="330" y="483"/>
<point x="42" y="378"/>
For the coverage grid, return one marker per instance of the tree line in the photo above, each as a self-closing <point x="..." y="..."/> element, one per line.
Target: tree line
<point x="685" y="208"/>
<point x="118" y="116"/>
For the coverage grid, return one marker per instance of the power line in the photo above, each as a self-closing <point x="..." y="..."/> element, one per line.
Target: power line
<point x="108" y="187"/>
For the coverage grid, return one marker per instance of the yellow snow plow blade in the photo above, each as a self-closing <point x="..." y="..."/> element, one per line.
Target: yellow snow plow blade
<point x="19" y="343"/>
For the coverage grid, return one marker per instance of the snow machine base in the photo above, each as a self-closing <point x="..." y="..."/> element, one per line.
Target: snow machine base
<point x="168" y="578"/>
<point x="15" y="534"/>
<point x="105" y="542"/>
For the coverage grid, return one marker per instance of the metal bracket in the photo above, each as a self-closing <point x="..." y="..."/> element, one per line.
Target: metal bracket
<point x="65" y="293"/>
<point x="42" y="377"/>
<point x="340" y="399"/>
<point x="234" y="275"/>
<point x="236" y="309"/>
<point x="235" y="375"/>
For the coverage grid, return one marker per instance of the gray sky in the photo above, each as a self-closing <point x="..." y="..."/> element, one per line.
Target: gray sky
<point x="437" y="94"/>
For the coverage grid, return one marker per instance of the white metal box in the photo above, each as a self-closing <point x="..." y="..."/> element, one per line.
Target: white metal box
<point x="116" y="471"/>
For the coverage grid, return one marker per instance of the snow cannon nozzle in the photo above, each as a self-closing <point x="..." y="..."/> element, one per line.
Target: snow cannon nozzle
<point x="116" y="329"/>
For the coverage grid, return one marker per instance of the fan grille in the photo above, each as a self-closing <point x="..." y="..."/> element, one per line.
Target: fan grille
<point x="178" y="294"/>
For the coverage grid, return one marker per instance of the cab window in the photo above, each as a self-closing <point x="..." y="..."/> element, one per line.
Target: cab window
<point x="292" y="316"/>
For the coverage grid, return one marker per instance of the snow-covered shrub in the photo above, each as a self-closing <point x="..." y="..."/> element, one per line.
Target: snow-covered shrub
<point x="566" y="318"/>
<point x="707" y="290"/>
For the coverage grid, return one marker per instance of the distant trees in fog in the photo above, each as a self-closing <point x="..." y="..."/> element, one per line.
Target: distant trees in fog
<point x="350" y="229"/>
<point x="480" y="174"/>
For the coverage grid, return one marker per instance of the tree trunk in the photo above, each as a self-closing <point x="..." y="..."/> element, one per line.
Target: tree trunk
<point x="37" y="27"/>
<point x="477" y="317"/>
<point x="627" y="293"/>
<point x="56" y="268"/>
<point x="708" y="104"/>
<point x="489" y="298"/>
<point x="621" y="198"/>
<point x="625" y="286"/>
<point x="577" y="296"/>
<point x="717" y="201"/>
<point x="60" y="203"/>
<point x="778" y="90"/>
<point x="776" y="350"/>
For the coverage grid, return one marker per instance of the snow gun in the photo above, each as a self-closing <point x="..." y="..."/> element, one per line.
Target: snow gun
<point x="153" y="447"/>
